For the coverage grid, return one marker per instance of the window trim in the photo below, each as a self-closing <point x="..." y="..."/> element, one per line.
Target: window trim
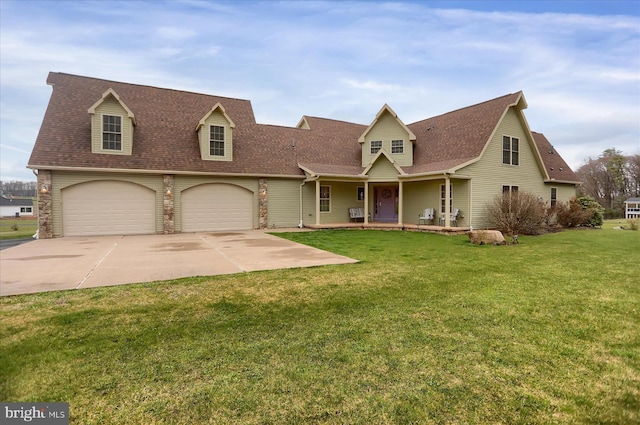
<point x="328" y="198"/>
<point x="554" y="197"/>
<point x="103" y="132"/>
<point x="511" y="155"/>
<point x="401" y="151"/>
<point x="371" y="150"/>
<point x="213" y="148"/>
<point x="509" y="188"/>
<point x="360" y="194"/>
<point x="26" y="210"/>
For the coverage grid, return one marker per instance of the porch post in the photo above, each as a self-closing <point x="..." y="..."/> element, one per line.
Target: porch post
<point x="447" y="200"/>
<point x="400" y="202"/>
<point x="317" y="202"/>
<point x="366" y="202"/>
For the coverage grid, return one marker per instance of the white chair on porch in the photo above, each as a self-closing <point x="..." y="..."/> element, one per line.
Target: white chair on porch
<point x="453" y="218"/>
<point x="426" y="216"/>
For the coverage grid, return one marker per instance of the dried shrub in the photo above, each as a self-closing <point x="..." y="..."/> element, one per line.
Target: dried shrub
<point x="517" y="213"/>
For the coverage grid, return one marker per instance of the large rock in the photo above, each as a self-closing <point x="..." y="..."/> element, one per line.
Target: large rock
<point x="486" y="237"/>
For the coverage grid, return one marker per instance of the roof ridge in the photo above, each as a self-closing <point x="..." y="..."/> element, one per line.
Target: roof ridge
<point x="334" y="120"/>
<point x="467" y="107"/>
<point x="145" y="85"/>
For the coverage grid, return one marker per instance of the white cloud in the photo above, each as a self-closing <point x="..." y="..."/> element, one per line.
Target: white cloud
<point x="344" y="60"/>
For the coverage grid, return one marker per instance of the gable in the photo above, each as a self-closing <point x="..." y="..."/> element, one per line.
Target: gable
<point x="527" y="174"/>
<point x="109" y="108"/>
<point x="386" y="129"/>
<point x="382" y="168"/>
<point x="216" y="122"/>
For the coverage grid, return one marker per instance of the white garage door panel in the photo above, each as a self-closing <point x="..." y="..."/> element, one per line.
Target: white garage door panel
<point x="107" y="208"/>
<point x="212" y="207"/>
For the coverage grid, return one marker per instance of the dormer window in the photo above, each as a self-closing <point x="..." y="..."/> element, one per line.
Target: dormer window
<point x="112" y="132"/>
<point x="215" y="135"/>
<point x="397" y="146"/>
<point x="376" y="145"/>
<point x="216" y="140"/>
<point x="112" y="125"/>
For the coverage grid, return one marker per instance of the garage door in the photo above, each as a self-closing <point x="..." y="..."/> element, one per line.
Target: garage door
<point x="107" y="208"/>
<point x="212" y="207"/>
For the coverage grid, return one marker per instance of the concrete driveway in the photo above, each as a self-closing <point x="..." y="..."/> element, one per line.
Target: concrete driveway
<point x="87" y="262"/>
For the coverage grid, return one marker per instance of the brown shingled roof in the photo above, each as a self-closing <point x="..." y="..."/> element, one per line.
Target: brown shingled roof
<point x="446" y="141"/>
<point x="554" y="164"/>
<point x="165" y="139"/>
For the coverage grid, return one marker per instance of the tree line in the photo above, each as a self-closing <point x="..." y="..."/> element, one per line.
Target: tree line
<point x="18" y="188"/>
<point x="610" y="179"/>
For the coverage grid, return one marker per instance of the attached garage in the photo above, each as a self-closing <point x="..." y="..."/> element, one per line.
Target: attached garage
<point x="108" y="208"/>
<point x="216" y="206"/>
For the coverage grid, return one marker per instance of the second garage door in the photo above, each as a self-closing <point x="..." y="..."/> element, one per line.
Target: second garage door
<point x="213" y="207"/>
<point x="108" y="208"/>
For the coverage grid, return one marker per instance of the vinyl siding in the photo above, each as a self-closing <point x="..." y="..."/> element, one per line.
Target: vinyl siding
<point x="383" y="170"/>
<point x="387" y="129"/>
<point x="343" y="196"/>
<point x="216" y="118"/>
<point x="490" y="174"/>
<point x="182" y="183"/>
<point x="421" y="195"/>
<point x="283" y="204"/>
<point x="64" y="179"/>
<point x="111" y="106"/>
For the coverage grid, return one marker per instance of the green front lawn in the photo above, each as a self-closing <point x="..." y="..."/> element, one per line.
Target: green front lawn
<point x="17" y="228"/>
<point x="425" y="329"/>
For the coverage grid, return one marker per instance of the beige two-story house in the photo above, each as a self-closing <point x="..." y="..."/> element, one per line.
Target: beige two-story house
<point x="118" y="158"/>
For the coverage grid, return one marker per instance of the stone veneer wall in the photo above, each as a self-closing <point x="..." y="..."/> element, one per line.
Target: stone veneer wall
<point x="263" y="197"/>
<point x="168" y="222"/>
<point x="45" y="202"/>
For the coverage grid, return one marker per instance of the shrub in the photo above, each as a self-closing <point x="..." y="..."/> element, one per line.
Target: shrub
<point x="517" y="213"/>
<point x="580" y="212"/>
<point x="634" y="223"/>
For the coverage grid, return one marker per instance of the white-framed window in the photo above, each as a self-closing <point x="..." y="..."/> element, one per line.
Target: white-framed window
<point x="554" y="197"/>
<point x="397" y="146"/>
<point x="325" y="198"/>
<point x="26" y="209"/>
<point x="112" y="132"/>
<point x="443" y="199"/>
<point x="376" y="145"/>
<point x="510" y="150"/>
<point x="509" y="189"/>
<point x="360" y="196"/>
<point x="216" y="140"/>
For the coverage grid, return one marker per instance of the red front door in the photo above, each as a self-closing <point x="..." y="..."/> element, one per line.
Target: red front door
<point x="386" y="204"/>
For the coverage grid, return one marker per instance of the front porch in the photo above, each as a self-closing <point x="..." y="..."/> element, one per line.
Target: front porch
<point x="393" y="226"/>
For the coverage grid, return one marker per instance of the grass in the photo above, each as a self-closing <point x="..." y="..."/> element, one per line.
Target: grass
<point x="425" y="329"/>
<point x="17" y="228"/>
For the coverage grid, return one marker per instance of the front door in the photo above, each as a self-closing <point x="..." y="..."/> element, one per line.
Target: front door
<point x="386" y="201"/>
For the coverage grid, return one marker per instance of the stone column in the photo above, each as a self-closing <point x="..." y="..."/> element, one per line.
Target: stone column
<point x="263" y="197"/>
<point x="168" y="224"/>
<point x="45" y="203"/>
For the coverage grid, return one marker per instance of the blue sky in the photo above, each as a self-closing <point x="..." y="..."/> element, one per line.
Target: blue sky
<point x="578" y="62"/>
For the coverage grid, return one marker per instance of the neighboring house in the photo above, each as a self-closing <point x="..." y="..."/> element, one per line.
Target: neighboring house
<point x="116" y="158"/>
<point x="15" y="207"/>
<point x="632" y="208"/>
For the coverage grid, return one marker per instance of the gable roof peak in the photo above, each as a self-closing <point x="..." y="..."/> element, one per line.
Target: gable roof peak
<point x="387" y="109"/>
<point x="208" y="114"/>
<point x="112" y="93"/>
